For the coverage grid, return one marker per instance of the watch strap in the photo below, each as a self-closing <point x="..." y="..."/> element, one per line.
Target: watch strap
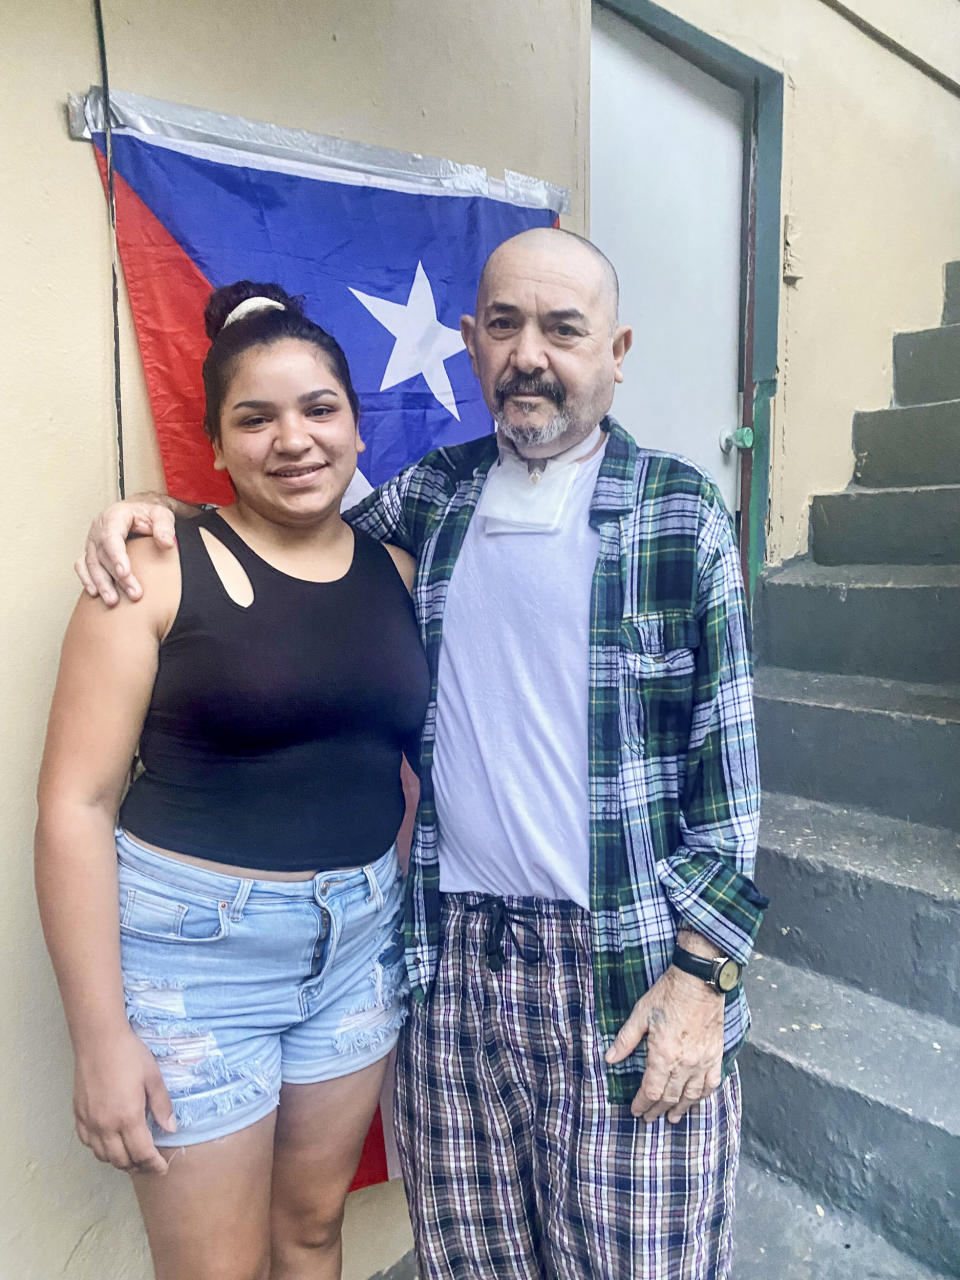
<point x="699" y="966"/>
<point x="709" y="971"/>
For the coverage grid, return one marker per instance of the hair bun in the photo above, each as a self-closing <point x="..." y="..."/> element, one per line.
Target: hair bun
<point x="222" y="301"/>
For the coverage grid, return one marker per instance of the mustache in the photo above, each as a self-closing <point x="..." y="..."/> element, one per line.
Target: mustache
<point x="524" y="384"/>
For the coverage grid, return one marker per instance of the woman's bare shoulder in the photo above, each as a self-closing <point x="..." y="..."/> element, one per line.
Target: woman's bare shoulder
<point x="158" y="571"/>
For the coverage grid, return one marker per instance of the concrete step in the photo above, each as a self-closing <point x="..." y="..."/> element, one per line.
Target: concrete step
<point x="781" y="1232"/>
<point x="877" y="744"/>
<point x="926" y="365"/>
<point x="874" y="901"/>
<point x="951" y="294"/>
<point x="910" y="446"/>
<point x="897" y="621"/>
<point x="858" y="1099"/>
<point x="915" y="525"/>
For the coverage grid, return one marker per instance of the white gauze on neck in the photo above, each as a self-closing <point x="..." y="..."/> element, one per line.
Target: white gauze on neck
<point x="518" y="500"/>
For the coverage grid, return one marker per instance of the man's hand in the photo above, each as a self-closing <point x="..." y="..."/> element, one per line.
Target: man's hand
<point x="682" y="1020"/>
<point x="104" y="565"/>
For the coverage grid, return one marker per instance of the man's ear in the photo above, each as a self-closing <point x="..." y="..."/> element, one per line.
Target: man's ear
<point x="360" y="443"/>
<point x="468" y="331"/>
<point x="622" y="342"/>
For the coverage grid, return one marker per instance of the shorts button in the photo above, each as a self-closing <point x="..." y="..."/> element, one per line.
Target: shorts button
<point x="224" y="905"/>
<point x="325" y="887"/>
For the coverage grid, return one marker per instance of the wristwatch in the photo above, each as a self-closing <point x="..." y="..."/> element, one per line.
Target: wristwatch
<point x="721" y="973"/>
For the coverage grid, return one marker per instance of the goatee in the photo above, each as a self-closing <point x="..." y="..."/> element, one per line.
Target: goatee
<point x="527" y="437"/>
<point x="522" y="384"/>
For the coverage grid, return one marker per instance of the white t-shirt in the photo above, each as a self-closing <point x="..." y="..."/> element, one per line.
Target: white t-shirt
<point x="510" y="768"/>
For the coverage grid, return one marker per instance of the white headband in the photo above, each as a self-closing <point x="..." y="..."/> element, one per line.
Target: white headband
<point x="245" y="307"/>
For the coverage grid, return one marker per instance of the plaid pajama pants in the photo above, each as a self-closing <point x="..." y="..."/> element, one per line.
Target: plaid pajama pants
<point x="516" y="1165"/>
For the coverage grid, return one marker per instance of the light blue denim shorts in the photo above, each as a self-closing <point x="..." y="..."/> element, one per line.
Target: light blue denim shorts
<point x="238" y="985"/>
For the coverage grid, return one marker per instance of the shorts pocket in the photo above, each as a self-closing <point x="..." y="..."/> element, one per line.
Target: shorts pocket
<point x="145" y="913"/>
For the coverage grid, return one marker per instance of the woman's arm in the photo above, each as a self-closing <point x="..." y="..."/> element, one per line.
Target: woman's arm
<point x="107" y="669"/>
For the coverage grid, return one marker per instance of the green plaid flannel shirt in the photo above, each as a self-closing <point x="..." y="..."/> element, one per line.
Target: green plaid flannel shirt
<point x="674" y="795"/>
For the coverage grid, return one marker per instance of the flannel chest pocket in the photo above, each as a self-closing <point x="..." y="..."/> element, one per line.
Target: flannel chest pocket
<point x="657" y="658"/>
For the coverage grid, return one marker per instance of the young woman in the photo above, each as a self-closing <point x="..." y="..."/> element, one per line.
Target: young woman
<point x="231" y="1021"/>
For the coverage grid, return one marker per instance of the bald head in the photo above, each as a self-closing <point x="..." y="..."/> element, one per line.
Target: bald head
<point x="545" y="342"/>
<point x="568" y="251"/>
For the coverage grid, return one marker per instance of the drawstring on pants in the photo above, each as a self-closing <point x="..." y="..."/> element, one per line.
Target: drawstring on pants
<point x="501" y="919"/>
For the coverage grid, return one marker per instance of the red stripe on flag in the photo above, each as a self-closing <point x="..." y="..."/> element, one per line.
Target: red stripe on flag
<point x="373" y="1160"/>
<point x="167" y="295"/>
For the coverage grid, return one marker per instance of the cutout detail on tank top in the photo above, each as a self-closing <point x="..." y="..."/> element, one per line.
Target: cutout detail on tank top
<point x="233" y="577"/>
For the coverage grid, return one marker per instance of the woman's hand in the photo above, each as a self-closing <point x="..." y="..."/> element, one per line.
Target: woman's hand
<point x="114" y="1084"/>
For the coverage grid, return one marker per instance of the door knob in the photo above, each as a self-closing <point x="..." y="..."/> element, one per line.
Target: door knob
<point x="740" y="438"/>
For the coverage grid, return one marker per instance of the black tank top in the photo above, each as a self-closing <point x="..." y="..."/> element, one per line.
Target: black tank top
<point x="274" y="732"/>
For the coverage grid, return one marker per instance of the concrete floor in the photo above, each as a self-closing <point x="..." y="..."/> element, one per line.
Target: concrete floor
<point x="782" y="1233"/>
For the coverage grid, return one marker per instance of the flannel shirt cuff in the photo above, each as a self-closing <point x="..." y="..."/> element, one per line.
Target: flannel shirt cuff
<point x="714" y="899"/>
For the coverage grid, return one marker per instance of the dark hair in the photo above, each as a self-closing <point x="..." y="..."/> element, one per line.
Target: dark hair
<point x="259" y="328"/>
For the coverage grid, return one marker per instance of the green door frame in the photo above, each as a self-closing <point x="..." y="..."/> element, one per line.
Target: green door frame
<point x="762" y="90"/>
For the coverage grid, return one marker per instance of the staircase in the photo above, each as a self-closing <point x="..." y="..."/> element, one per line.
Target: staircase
<point x="852" y="1074"/>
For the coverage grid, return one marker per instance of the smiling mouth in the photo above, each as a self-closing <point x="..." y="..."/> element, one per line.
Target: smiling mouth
<point x="292" y="473"/>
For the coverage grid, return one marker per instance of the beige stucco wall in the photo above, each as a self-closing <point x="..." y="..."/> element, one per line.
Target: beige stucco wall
<point x="871" y="183"/>
<point x="501" y="84"/>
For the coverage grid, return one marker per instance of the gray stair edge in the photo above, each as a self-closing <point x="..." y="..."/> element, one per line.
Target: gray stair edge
<point x="857" y="1041"/>
<point x="823" y="1104"/>
<point x="889" y="621"/>
<point x="903" y="765"/>
<point x="924" y="365"/>
<point x="782" y="1232"/>
<point x="907" y="444"/>
<point x="801" y="571"/>
<point x="871" y="900"/>
<point x="864" y="492"/>
<point x="894" y="524"/>
<point x="951" y="332"/>
<point x="938" y="703"/>
<point x="910" y="855"/>
<point x="890" y="412"/>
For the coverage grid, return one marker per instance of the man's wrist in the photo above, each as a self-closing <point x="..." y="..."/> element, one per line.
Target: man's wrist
<point x="185" y="510"/>
<point x="697" y="944"/>
<point x="719" y="973"/>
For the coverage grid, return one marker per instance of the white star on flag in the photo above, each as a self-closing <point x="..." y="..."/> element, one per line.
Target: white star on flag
<point x="422" y="342"/>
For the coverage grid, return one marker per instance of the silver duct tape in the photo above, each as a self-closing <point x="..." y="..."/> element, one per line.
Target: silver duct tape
<point x="174" y="122"/>
<point x="535" y="192"/>
<point x="77" y="118"/>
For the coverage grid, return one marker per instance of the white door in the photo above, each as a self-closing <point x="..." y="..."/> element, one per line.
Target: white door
<point x="666" y="175"/>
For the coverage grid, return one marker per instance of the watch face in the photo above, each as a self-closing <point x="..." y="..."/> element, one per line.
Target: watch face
<point x="728" y="975"/>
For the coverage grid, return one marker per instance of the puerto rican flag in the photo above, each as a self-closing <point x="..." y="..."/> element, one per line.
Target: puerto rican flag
<point x="387" y="250"/>
<point x="388" y="266"/>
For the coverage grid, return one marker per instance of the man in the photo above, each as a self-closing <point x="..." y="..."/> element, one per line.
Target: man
<point x="579" y="901"/>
